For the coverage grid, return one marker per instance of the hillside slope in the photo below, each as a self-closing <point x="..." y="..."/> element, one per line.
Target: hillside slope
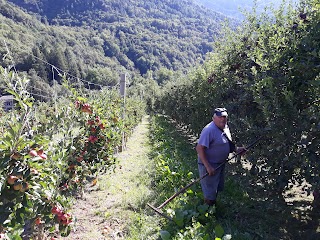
<point x="142" y="35"/>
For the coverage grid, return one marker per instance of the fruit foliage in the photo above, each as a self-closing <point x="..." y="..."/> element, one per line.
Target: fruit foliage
<point x="49" y="151"/>
<point x="267" y="75"/>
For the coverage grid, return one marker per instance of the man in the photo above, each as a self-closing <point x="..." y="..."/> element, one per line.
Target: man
<point x="213" y="148"/>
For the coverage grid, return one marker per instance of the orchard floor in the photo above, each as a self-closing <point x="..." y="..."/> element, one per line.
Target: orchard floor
<point x="118" y="200"/>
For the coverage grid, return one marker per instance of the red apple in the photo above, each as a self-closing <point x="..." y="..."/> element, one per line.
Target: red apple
<point x="38" y="221"/>
<point x="11" y="179"/>
<point x="33" y="153"/>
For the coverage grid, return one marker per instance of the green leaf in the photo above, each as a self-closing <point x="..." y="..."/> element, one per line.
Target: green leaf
<point x="203" y="208"/>
<point x="16" y="235"/>
<point x="12" y="131"/>
<point x="218" y="231"/>
<point x="7" y="141"/>
<point x="178" y="219"/>
<point x="165" y="235"/>
<point x="189" y="191"/>
<point x="190" y="174"/>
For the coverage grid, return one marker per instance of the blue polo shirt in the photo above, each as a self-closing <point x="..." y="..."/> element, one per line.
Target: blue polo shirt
<point x="216" y="143"/>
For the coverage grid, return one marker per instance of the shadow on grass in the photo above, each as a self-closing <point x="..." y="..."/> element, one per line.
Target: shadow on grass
<point x="285" y="220"/>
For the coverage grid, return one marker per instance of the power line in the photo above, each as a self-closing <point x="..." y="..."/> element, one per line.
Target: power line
<point x="16" y="72"/>
<point x="57" y="69"/>
<point x="54" y="68"/>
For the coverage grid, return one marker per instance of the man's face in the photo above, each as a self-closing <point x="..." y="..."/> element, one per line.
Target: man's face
<point x="220" y="122"/>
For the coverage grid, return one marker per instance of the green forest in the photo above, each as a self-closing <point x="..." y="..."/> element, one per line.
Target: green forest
<point x="62" y="60"/>
<point x="97" y="41"/>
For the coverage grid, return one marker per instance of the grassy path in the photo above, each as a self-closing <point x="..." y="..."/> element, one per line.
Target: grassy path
<point x="115" y="208"/>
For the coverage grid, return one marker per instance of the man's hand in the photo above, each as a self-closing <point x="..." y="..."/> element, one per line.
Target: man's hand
<point x="203" y="158"/>
<point x="210" y="170"/>
<point x="241" y="151"/>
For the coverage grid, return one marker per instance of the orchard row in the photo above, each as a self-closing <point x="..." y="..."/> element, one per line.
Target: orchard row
<point x="267" y="76"/>
<point x="50" y="150"/>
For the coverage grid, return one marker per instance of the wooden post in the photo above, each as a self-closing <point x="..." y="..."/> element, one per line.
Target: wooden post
<point x="123" y="81"/>
<point x="123" y="86"/>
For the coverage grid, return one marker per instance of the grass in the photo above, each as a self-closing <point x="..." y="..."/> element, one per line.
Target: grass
<point x="134" y="188"/>
<point x="116" y="207"/>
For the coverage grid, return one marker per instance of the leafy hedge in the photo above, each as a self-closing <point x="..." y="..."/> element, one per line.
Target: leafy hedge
<point x="49" y="151"/>
<point x="267" y="75"/>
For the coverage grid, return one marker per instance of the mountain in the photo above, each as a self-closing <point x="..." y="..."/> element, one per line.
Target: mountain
<point x="135" y="34"/>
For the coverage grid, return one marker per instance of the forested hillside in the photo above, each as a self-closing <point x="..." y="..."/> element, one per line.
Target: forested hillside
<point x="96" y="40"/>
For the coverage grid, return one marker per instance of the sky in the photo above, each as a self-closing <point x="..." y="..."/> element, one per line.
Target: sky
<point x="232" y="8"/>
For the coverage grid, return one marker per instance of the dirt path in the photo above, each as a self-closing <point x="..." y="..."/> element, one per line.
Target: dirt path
<point x="110" y="209"/>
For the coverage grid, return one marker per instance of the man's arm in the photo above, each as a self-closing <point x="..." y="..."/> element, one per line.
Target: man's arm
<point x="204" y="160"/>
